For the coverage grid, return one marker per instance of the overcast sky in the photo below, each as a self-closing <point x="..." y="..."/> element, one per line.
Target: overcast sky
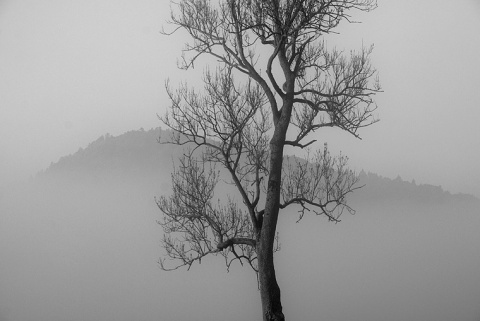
<point x="71" y="71"/>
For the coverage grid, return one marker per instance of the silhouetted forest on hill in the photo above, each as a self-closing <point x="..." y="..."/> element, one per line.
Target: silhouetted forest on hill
<point x="138" y="155"/>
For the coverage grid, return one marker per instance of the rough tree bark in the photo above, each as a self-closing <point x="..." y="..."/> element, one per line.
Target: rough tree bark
<point x="245" y="127"/>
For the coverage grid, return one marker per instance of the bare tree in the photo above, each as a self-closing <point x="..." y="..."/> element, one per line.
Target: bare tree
<point x="275" y="84"/>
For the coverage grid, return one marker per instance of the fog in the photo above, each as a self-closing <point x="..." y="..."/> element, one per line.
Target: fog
<point x="84" y="245"/>
<point x="74" y="70"/>
<point x="76" y="251"/>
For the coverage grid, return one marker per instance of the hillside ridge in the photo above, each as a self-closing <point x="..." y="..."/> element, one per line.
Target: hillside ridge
<point x="139" y="153"/>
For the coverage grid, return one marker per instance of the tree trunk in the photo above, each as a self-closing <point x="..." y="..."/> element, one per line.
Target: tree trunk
<point x="269" y="289"/>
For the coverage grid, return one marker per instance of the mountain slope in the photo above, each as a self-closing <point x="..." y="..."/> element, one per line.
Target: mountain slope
<point x="139" y="156"/>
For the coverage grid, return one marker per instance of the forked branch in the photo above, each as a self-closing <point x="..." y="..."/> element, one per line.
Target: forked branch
<point x="319" y="184"/>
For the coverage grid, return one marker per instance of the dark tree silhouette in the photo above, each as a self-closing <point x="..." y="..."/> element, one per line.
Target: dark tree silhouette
<point x="275" y="84"/>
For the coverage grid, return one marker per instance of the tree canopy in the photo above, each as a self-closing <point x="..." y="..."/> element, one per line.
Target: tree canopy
<point x="275" y="83"/>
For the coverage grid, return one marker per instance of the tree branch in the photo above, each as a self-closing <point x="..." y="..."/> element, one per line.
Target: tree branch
<point x="236" y="240"/>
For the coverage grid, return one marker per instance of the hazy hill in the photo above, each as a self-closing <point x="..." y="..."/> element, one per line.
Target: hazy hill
<point x="382" y="189"/>
<point x="81" y="242"/>
<point x="132" y="154"/>
<point x="137" y="155"/>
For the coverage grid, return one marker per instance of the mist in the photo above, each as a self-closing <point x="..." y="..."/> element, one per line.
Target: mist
<point x="77" y="251"/>
<point x="81" y="243"/>
<point x="79" y="238"/>
<point x="75" y="70"/>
